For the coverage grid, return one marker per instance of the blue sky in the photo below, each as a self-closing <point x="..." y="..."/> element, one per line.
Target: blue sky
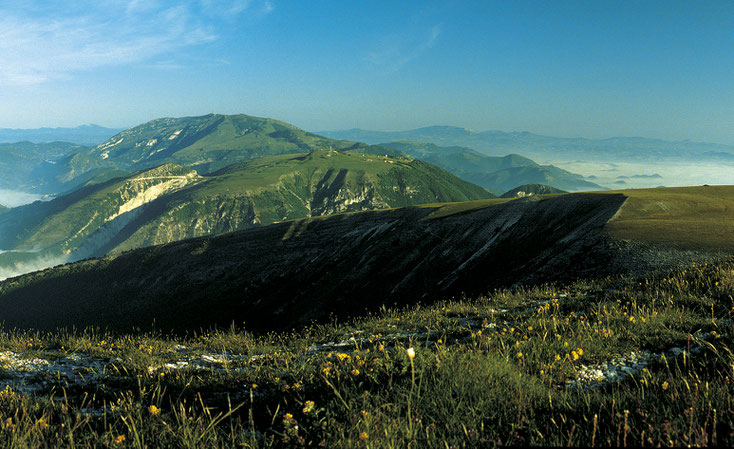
<point x="587" y="68"/>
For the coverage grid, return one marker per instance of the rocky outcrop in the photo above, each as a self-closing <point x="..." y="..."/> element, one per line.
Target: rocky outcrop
<point x="86" y="224"/>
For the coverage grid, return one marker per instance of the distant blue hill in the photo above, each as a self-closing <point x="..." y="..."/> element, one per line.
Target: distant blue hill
<point x="87" y="135"/>
<point x="496" y="174"/>
<point x="499" y="143"/>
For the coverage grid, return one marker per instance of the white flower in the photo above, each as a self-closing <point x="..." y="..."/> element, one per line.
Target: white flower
<point x="411" y="353"/>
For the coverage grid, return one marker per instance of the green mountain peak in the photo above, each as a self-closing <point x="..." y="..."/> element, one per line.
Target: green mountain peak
<point x="206" y="143"/>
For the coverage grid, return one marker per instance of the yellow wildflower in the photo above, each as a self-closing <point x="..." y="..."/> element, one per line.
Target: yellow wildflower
<point x="120" y="439"/>
<point x="154" y="410"/>
<point x="308" y="406"/>
<point x="363" y="436"/>
<point x="288" y="416"/>
<point x="355" y="372"/>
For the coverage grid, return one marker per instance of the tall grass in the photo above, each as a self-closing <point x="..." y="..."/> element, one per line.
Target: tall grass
<point x="464" y="373"/>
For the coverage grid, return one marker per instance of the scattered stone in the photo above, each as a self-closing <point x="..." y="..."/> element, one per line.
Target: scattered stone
<point x="31" y="374"/>
<point x="623" y="367"/>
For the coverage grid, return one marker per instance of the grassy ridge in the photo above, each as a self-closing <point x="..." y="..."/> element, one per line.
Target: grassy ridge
<point x="482" y="372"/>
<point x="286" y="274"/>
<point x="283" y="275"/>
<point x="684" y="217"/>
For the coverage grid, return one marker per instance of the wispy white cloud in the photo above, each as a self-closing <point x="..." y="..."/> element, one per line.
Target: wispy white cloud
<point x="230" y="9"/>
<point x="40" y="41"/>
<point x="398" y="49"/>
<point x="267" y="7"/>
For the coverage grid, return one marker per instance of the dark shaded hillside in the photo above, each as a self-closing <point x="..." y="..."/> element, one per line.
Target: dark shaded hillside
<point x="290" y="273"/>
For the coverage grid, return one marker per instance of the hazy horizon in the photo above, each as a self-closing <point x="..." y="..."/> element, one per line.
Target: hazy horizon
<point x="411" y="129"/>
<point x="576" y="69"/>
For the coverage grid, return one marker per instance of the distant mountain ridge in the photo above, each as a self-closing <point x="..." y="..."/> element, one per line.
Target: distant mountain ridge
<point x="495" y="173"/>
<point x="81" y="135"/>
<point x="536" y="146"/>
<point x="28" y="166"/>
<point x="211" y="142"/>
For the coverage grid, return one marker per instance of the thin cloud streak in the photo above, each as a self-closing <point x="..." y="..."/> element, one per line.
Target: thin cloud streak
<point x="395" y="51"/>
<point x="41" y="43"/>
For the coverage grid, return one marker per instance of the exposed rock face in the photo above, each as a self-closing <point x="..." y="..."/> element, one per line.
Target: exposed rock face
<point x="80" y="224"/>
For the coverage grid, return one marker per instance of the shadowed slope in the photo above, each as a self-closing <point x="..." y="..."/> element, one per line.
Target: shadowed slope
<point x="289" y="273"/>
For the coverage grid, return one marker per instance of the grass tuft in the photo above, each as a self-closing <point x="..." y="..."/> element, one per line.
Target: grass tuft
<point x="508" y="368"/>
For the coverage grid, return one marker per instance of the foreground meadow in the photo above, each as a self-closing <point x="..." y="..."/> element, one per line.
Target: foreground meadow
<point x="619" y="362"/>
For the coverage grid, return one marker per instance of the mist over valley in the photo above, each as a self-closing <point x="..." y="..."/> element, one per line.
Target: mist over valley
<point x="10" y="198"/>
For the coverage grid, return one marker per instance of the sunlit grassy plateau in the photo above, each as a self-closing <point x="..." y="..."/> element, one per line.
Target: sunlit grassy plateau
<point x="506" y="368"/>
